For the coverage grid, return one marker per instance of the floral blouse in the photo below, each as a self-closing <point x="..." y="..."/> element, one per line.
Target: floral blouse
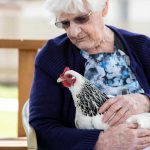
<point x="111" y="73"/>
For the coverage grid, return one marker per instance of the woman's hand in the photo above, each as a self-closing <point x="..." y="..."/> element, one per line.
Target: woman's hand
<point x="123" y="137"/>
<point x="117" y="109"/>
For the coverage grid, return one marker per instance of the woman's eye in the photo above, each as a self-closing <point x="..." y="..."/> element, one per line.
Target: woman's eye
<point x="82" y="19"/>
<point x="65" y="22"/>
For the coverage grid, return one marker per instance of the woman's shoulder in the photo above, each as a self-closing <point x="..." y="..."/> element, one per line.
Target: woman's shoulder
<point x="58" y="43"/>
<point x="53" y="48"/>
<point x="55" y="55"/>
<point x="127" y="33"/>
<point x="132" y="39"/>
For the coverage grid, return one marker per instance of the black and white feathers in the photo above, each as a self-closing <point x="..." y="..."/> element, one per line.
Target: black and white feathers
<point x="88" y="99"/>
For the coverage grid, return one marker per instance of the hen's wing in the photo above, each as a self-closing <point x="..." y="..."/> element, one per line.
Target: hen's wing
<point x="90" y="99"/>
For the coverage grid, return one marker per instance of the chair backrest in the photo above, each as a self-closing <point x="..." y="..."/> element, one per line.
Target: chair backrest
<point x="30" y="132"/>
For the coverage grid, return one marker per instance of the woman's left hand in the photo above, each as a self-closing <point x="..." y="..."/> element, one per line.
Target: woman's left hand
<point x="117" y="109"/>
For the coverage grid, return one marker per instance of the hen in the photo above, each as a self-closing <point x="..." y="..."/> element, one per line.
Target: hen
<point x="88" y="99"/>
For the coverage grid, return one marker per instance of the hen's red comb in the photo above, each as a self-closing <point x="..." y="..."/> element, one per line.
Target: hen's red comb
<point x="66" y="69"/>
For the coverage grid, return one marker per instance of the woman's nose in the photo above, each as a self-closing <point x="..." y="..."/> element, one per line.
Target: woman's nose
<point x="74" y="29"/>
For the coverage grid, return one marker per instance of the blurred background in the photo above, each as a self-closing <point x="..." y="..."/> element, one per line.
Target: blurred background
<point x="27" y="19"/>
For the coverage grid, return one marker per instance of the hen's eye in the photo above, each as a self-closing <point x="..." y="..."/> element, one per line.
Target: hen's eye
<point x="69" y="76"/>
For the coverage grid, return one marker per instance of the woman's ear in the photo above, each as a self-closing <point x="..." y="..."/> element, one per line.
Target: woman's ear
<point x="105" y="9"/>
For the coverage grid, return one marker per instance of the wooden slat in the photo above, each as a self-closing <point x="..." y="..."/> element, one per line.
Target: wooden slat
<point x="26" y="67"/>
<point x="13" y="148"/>
<point x="21" y="44"/>
<point x="13" y="144"/>
<point x="27" y="52"/>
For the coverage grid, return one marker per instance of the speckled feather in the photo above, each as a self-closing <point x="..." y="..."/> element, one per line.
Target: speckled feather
<point x="90" y="99"/>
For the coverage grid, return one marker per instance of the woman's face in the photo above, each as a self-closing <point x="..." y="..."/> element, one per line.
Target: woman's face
<point x="86" y="36"/>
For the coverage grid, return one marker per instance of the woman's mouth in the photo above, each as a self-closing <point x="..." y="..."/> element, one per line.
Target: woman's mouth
<point x="80" y="39"/>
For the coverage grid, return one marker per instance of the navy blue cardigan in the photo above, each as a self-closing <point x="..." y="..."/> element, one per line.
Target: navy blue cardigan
<point x="52" y="110"/>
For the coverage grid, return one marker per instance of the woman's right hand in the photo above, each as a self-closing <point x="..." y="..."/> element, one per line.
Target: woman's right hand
<point x="123" y="137"/>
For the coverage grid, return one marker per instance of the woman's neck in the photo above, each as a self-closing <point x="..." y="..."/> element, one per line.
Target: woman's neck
<point x="106" y="44"/>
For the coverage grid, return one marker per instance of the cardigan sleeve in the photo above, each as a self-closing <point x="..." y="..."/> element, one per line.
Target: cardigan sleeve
<point x="46" y="106"/>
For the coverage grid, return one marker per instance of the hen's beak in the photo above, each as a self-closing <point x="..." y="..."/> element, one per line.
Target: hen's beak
<point x="60" y="80"/>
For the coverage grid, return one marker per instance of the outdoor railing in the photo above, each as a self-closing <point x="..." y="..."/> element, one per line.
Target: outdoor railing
<point x="27" y="49"/>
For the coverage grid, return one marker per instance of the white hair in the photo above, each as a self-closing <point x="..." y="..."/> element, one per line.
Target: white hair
<point x="55" y="7"/>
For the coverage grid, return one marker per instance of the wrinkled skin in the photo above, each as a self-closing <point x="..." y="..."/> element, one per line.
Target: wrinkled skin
<point x="123" y="137"/>
<point x="92" y="36"/>
<point x="118" y="109"/>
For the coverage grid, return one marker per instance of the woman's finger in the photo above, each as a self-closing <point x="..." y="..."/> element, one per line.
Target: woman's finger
<point x="144" y="140"/>
<point x="143" y="132"/>
<point x="124" y="118"/>
<point x="119" y="117"/>
<point x="141" y="147"/>
<point x="112" y="111"/>
<point x="107" y="105"/>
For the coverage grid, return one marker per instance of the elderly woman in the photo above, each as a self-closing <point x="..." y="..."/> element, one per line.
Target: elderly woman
<point x="114" y="60"/>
